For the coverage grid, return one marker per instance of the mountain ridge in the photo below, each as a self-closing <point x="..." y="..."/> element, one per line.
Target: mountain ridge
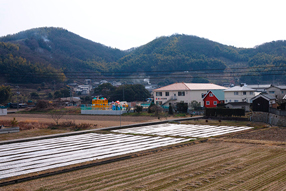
<point x="66" y="51"/>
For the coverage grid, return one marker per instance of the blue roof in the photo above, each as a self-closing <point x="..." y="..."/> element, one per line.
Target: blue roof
<point x="219" y="94"/>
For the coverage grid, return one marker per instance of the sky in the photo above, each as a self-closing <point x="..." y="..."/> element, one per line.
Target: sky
<point x="124" y="24"/>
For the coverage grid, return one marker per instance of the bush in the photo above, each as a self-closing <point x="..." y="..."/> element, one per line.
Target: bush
<point x="182" y="107"/>
<point x="138" y="108"/>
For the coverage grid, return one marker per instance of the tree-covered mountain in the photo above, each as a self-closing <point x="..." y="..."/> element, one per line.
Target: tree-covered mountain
<point x="56" y="49"/>
<point x="63" y="49"/>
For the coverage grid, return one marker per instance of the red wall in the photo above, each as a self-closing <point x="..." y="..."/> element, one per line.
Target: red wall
<point x="211" y="100"/>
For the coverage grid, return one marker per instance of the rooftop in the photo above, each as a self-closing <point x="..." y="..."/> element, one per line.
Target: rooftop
<point x="190" y="86"/>
<point x="239" y="88"/>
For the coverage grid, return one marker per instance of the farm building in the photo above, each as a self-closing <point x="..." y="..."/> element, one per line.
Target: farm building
<point x="262" y="102"/>
<point x="238" y="105"/>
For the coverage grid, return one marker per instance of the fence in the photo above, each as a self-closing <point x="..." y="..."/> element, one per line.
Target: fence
<point x="277" y="111"/>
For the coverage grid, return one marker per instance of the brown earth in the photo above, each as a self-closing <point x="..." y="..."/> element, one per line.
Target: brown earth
<point x="205" y="166"/>
<point x="99" y="120"/>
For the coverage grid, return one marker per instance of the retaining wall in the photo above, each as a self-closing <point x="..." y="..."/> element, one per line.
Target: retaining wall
<point x="9" y="130"/>
<point x="269" y="118"/>
<point x="103" y="112"/>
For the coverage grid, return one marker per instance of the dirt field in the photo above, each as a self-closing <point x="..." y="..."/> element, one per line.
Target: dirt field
<point x="100" y="121"/>
<point x="204" y="166"/>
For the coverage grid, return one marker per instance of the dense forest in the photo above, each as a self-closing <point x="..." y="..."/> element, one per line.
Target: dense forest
<point x="42" y="54"/>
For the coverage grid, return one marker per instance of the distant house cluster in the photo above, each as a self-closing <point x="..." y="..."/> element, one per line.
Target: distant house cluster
<point x="210" y="95"/>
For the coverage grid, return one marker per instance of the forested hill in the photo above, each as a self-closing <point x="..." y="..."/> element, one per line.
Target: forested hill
<point x="56" y="49"/>
<point x="63" y="49"/>
<point x="181" y="52"/>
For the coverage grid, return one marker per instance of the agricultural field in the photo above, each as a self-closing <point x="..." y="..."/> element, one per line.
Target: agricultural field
<point x="250" y="159"/>
<point x="205" y="166"/>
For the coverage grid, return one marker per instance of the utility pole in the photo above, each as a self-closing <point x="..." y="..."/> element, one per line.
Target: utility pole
<point x="123" y="94"/>
<point x="70" y="94"/>
<point x="17" y="97"/>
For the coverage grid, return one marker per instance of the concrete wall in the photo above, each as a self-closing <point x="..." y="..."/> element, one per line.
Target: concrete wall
<point x="269" y="118"/>
<point x="3" y="111"/>
<point x="9" y="130"/>
<point x="103" y="112"/>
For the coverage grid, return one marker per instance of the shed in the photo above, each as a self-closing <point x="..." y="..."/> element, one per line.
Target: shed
<point x="238" y="105"/>
<point x="262" y="102"/>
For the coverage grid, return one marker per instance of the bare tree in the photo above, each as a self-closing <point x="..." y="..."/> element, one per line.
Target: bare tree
<point x="56" y="116"/>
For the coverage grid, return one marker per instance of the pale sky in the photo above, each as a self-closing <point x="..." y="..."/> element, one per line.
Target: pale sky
<point x="124" y="24"/>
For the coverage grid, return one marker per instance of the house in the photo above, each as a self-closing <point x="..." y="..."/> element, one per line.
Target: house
<point x="76" y="101"/>
<point x="239" y="94"/>
<point x="186" y="92"/>
<point x="238" y="105"/>
<point x="262" y="102"/>
<point x="213" y="97"/>
<point x="83" y="89"/>
<point x="276" y="91"/>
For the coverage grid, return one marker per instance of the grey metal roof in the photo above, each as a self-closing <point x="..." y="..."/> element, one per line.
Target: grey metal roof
<point x="259" y="86"/>
<point x="265" y="96"/>
<point x="240" y="88"/>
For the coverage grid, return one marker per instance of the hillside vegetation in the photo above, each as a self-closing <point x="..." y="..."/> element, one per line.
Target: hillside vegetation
<point x="58" y="50"/>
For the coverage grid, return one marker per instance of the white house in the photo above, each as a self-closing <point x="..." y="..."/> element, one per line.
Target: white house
<point x="239" y="94"/>
<point x="186" y="92"/>
<point x="83" y="89"/>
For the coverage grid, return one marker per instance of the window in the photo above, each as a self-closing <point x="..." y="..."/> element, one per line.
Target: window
<point x="235" y="93"/>
<point x="158" y="93"/>
<point x="215" y="102"/>
<point x="225" y="101"/>
<point x="166" y="93"/>
<point x="181" y="93"/>
<point x="159" y="102"/>
<point x="211" y="95"/>
<point x="272" y="92"/>
<point x="244" y="93"/>
<point x="250" y="93"/>
<point x="235" y="100"/>
<point x="207" y="102"/>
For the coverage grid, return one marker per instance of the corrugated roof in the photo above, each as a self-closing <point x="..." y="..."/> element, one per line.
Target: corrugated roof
<point x="259" y="86"/>
<point x="283" y="87"/>
<point x="190" y="86"/>
<point x="239" y="88"/>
